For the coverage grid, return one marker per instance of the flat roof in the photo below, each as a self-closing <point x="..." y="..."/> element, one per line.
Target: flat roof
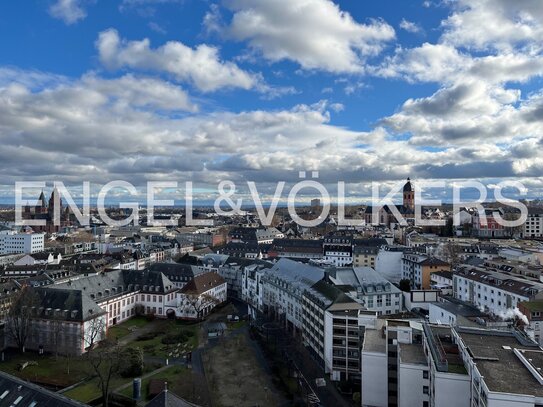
<point x="374" y="341"/>
<point x="413" y="354"/>
<point x="502" y="370"/>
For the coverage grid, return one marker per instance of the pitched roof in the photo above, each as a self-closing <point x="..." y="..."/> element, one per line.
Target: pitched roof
<point x="73" y="305"/>
<point x="168" y="399"/>
<point x="202" y="283"/>
<point x="326" y="294"/>
<point x="14" y="391"/>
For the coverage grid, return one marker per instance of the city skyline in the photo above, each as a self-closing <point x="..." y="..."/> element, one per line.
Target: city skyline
<point x="258" y="91"/>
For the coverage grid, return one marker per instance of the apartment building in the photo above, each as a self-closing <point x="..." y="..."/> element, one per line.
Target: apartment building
<point x="533" y="227"/>
<point x="12" y="242"/>
<point x="494" y="291"/>
<point x="406" y="363"/>
<point x="283" y="287"/>
<point x="504" y="367"/>
<point x="338" y="250"/>
<point x="370" y="288"/>
<point x="418" y="269"/>
<point x="333" y="329"/>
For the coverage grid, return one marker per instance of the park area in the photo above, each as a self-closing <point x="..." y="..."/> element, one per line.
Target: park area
<point x="223" y="370"/>
<point x="155" y="340"/>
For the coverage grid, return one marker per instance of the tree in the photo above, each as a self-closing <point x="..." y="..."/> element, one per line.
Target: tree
<point x="132" y="362"/>
<point x="405" y="285"/>
<point x="199" y="303"/>
<point x="105" y="361"/>
<point x="94" y="332"/>
<point x="19" y="318"/>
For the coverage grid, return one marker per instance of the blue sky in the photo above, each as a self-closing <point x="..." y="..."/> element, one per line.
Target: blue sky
<point x="258" y="90"/>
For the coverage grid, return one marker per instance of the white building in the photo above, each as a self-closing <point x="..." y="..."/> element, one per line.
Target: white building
<point x="442" y="281"/>
<point x="338" y="250"/>
<point x="198" y="298"/>
<point x="505" y="368"/>
<point x="493" y="291"/>
<point x="252" y="291"/>
<point x="370" y="288"/>
<point x="399" y="368"/>
<point x="389" y="263"/>
<point x="12" y="242"/>
<point x="533" y="227"/>
<point x="283" y="287"/>
<point x="333" y="329"/>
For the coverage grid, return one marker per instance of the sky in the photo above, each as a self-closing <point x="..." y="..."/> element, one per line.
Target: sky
<point x="258" y="90"/>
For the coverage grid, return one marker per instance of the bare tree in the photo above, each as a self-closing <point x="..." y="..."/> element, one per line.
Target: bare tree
<point x="19" y="318"/>
<point x="199" y="303"/>
<point x="94" y="332"/>
<point x="105" y="361"/>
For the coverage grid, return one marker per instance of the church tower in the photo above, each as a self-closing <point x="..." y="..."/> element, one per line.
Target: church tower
<point x="409" y="195"/>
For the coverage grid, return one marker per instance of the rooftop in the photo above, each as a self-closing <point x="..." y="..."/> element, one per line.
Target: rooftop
<point x="374" y="340"/>
<point x="412" y="354"/>
<point x="493" y="353"/>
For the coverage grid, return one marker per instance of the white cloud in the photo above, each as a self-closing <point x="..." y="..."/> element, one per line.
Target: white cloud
<point x="314" y="33"/>
<point x="126" y="130"/>
<point x="201" y="66"/>
<point x="69" y="11"/>
<point x="410" y="26"/>
<point x="427" y="63"/>
<point x="495" y="24"/>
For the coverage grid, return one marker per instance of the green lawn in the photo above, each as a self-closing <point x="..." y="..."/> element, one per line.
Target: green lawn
<point x="121" y="330"/>
<point x="155" y="347"/>
<point x="176" y="376"/>
<point x="59" y="371"/>
<point x="90" y="390"/>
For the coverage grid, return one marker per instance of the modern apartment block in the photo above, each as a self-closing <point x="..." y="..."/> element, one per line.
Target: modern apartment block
<point x="12" y="242"/>
<point x="333" y="329"/>
<point x="407" y="363"/>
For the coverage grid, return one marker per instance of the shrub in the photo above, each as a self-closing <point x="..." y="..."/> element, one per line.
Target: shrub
<point x="132" y="363"/>
<point x="147" y="336"/>
<point x="174" y="338"/>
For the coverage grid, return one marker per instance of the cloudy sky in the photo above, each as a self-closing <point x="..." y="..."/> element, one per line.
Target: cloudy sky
<point x="259" y="90"/>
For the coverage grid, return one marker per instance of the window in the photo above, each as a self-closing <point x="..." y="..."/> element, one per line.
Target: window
<point x="425" y="389"/>
<point x="425" y="374"/>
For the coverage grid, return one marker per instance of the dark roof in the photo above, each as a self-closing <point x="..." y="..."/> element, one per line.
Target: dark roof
<point x="40" y="255"/>
<point x="326" y="294"/>
<point x="370" y="242"/>
<point x="173" y="269"/>
<point x="168" y="399"/>
<point x="408" y="187"/>
<point x="433" y="261"/>
<point x="233" y="248"/>
<point x="444" y="274"/>
<point x="535" y="210"/>
<point x="26" y="393"/>
<point x="69" y="305"/>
